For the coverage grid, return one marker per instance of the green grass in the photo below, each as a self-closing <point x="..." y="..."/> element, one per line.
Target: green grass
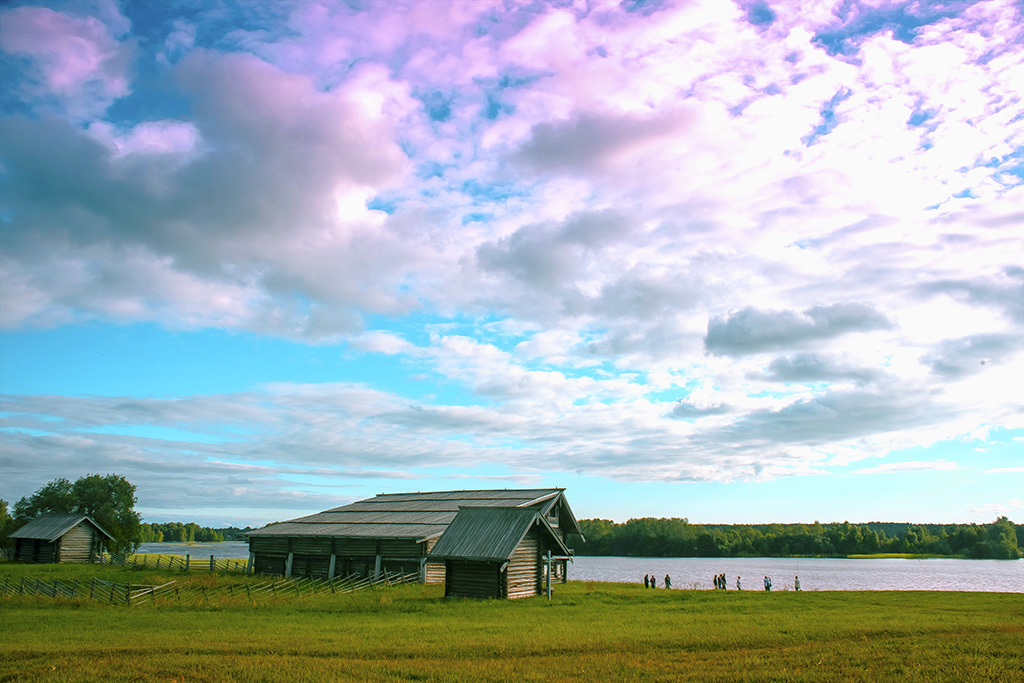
<point x="589" y="632"/>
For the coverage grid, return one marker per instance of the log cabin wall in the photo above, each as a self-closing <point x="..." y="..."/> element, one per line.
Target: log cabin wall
<point x="467" y="579"/>
<point x="311" y="555"/>
<point x="77" y="544"/>
<point x="36" y="550"/>
<point x="524" y="572"/>
<point x="435" y="569"/>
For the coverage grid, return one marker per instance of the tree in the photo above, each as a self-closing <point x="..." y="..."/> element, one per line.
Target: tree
<point x="55" y="496"/>
<point x="109" y="500"/>
<point x="6" y="523"/>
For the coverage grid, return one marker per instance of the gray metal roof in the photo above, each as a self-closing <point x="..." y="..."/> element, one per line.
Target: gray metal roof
<point x="51" y="526"/>
<point x="416" y="516"/>
<point x="490" y="533"/>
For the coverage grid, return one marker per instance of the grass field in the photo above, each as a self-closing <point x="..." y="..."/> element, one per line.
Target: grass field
<point x="589" y="632"/>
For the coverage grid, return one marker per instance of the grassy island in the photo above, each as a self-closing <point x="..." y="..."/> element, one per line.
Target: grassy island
<point x="589" y="632"/>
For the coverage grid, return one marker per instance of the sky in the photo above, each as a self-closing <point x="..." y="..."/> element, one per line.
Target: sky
<point x="738" y="262"/>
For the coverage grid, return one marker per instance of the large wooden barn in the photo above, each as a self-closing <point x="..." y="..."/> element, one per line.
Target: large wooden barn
<point x="499" y="552"/>
<point x="391" y="532"/>
<point x="60" y="538"/>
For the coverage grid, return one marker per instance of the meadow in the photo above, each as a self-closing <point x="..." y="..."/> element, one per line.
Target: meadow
<point x="588" y="632"/>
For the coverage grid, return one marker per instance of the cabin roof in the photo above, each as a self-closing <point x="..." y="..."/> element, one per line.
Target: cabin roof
<point x="491" y="534"/>
<point x="51" y="526"/>
<point x="417" y="516"/>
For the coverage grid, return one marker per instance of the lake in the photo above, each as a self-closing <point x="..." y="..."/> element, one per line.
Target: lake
<point x="823" y="574"/>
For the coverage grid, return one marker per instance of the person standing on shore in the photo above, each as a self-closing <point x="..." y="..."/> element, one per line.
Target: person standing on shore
<point x="654" y="582"/>
<point x="668" y="582"/>
<point x="738" y="584"/>
<point x="767" y="584"/>
<point x="647" y="580"/>
<point x="796" y="582"/>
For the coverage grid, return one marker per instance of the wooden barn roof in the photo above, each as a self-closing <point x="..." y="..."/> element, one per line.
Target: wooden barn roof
<point x="417" y="516"/>
<point x="51" y="526"/>
<point x="491" y="534"/>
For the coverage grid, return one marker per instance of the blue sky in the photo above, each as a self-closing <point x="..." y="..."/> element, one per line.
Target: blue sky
<point x="740" y="263"/>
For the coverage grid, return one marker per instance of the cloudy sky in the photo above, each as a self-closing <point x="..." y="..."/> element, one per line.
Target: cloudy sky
<point x="730" y="261"/>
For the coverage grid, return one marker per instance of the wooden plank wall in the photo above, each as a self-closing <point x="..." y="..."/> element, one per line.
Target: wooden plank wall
<point x="312" y="555"/>
<point x="35" y="550"/>
<point x="76" y="544"/>
<point x="435" y="569"/>
<point x="524" y="571"/>
<point x="468" y="579"/>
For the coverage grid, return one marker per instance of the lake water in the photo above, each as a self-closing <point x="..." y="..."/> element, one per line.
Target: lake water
<point x="1004" y="576"/>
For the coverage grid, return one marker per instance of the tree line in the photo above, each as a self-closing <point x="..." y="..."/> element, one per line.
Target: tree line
<point x="176" y="532"/>
<point x="676" y="537"/>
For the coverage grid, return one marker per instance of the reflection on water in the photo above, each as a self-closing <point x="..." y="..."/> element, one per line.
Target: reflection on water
<point x="1006" y="576"/>
<point x="815" y="573"/>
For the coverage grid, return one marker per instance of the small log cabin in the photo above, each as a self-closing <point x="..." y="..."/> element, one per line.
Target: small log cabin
<point x="60" y="538"/>
<point x="493" y="552"/>
<point x="391" y="532"/>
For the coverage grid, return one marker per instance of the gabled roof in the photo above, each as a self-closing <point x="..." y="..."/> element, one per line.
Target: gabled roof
<point x="417" y="516"/>
<point x="490" y="534"/>
<point x="51" y="526"/>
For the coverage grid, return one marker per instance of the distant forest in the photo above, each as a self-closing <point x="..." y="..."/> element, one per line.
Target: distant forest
<point x="649" y="537"/>
<point x="176" y="532"/>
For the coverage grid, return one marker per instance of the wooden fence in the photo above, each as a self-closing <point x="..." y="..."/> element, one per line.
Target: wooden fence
<point x="176" y="562"/>
<point x="189" y="593"/>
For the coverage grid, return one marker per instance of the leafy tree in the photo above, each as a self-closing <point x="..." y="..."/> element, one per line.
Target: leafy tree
<point x="56" y="496"/>
<point x="6" y="523"/>
<point x="109" y="500"/>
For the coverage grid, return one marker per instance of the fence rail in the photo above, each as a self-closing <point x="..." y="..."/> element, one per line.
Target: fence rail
<point x="193" y="593"/>
<point x="175" y="562"/>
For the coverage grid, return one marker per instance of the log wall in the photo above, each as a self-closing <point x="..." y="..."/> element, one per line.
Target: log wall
<point x="77" y="544"/>
<point x="311" y="555"/>
<point x="523" y="575"/>
<point x="467" y="579"/>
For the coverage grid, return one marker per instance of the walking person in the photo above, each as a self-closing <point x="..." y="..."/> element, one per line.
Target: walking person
<point x="668" y="582"/>
<point x="738" y="584"/>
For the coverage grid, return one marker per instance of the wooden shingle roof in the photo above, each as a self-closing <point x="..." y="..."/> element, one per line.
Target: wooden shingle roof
<point x="490" y="534"/>
<point x="418" y="516"/>
<point x="51" y="526"/>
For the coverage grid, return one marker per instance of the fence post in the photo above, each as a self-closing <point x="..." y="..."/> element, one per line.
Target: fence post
<point x="211" y="563"/>
<point x="92" y="588"/>
<point x="22" y="591"/>
<point x="127" y="594"/>
<point x="112" y="591"/>
<point x="186" y="561"/>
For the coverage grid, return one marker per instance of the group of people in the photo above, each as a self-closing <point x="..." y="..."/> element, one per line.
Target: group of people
<point x="651" y="581"/>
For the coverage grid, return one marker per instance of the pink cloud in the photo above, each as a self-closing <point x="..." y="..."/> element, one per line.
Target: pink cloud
<point x="78" y="59"/>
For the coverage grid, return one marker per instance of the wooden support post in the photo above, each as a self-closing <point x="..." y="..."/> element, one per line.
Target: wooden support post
<point x="127" y="594"/>
<point x="330" y="569"/>
<point x="376" y="567"/>
<point x="549" y="575"/>
<point x="288" y="565"/>
<point x="187" y="559"/>
<point x="92" y="589"/>
<point x="251" y="564"/>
